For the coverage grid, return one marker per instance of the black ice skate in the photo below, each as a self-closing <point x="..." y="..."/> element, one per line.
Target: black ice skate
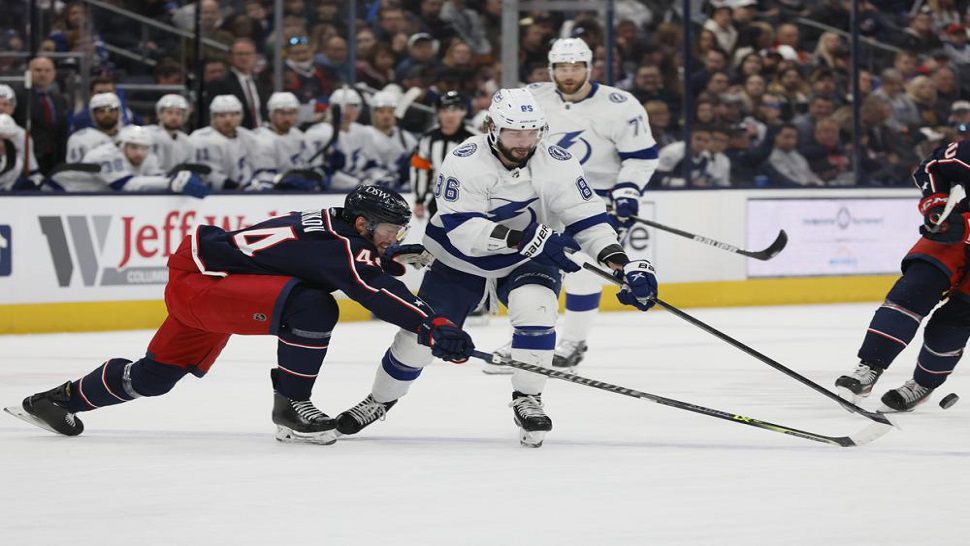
<point x="858" y="383"/>
<point x="907" y="397"/>
<point x="299" y="421"/>
<point x="529" y="416"/>
<point x="47" y="410"/>
<point x="569" y="354"/>
<point x="363" y="414"/>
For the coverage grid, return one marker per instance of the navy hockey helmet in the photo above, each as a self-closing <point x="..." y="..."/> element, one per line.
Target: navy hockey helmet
<point x="379" y="206"/>
<point x="451" y="99"/>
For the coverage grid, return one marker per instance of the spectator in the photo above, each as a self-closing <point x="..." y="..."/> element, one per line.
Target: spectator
<point x="770" y="110"/>
<point x="467" y="24"/>
<point x="820" y="108"/>
<point x="920" y="36"/>
<point x="721" y="25"/>
<point x="905" y="115"/>
<point x="73" y="32"/>
<point x="670" y="165"/>
<point x="823" y="84"/>
<point x="717" y="84"/>
<point x="888" y="157"/>
<point x="377" y="68"/>
<point x="333" y="59"/>
<point x="719" y="165"/>
<point x="430" y="21"/>
<point x="788" y="43"/>
<point x="241" y="82"/>
<point x="749" y="161"/>
<point x="959" y="113"/>
<point x="421" y="52"/>
<point x="825" y="50"/>
<point x="214" y="70"/>
<point x="49" y="114"/>
<point x="752" y="93"/>
<point x="905" y="63"/>
<point x="947" y="90"/>
<point x="705" y="110"/>
<point x="209" y="21"/>
<point x="790" y="85"/>
<point x="310" y="84"/>
<point x="956" y="46"/>
<point x="922" y="91"/>
<point x="169" y="72"/>
<point x="788" y="162"/>
<point x="366" y="42"/>
<point x="260" y="17"/>
<point x="714" y="61"/>
<point x="393" y="28"/>
<point x="750" y="64"/>
<point x="825" y="154"/>
<point x="648" y="86"/>
<point x="659" y="118"/>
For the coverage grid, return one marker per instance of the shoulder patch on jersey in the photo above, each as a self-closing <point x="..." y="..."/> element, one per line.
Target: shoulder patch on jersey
<point x="617" y="97"/>
<point x="466" y="150"/>
<point x="558" y="153"/>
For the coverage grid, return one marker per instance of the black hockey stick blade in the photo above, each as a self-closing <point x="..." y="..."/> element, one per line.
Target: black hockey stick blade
<point x="197" y="168"/>
<point x="766" y="254"/>
<point x="773" y="249"/>
<point x="76" y="167"/>
<point x="871" y="432"/>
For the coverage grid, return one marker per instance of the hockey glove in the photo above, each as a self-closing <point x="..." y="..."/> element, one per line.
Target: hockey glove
<point x="626" y="203"/>
<point x="447" y="341"/>
<point x="952" y="229"/>
<point x="545" y="246"/>
<point x="188" y="183"/>
<point x="639" y="284"/>
<point x="297" y="181"/>
<point x="396" y="257"/>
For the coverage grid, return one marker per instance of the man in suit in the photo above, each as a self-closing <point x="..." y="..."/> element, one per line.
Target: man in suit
<point x="49" y="113"/>
<point x="241" y="82"/>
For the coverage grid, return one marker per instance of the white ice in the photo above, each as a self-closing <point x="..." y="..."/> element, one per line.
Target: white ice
<point x="200" y="465"/>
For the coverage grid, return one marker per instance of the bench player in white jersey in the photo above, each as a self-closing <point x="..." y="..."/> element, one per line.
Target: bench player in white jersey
<point x="282" y="148"/>
<point x="607" y="130"/>
<point x="510" y="205"/>
<point x="130" y="166"/>
<point x="12" y="147"/>
<point x="391" y="146"/>
<point x="170" y="145"/>
<point x="106" y="115"/>
<point x="224" y="146"/>
<point x="353" y="142"/>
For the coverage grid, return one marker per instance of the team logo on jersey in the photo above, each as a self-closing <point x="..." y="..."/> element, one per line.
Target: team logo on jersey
<point x="558" y="153"/>
<point x="6" y="251"/>
<point x="574" y="141"/>
<point x="617" y="97"/>
<point x="466" y="150"/>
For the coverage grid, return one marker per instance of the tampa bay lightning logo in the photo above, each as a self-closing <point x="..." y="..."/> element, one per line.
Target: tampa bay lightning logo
<point x="466" y="150"/>
<point x="573" y="140"/>
<point x="512" y="210"/>
<point x="558" y="153"/>
<point x="617" y="97"/>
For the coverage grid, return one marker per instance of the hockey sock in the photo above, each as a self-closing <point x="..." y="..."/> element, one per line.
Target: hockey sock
<point x="532" y="345"/>
<point x="120" y="380"/>
<point x="581" y="311"/>
<point x="895" y="322"/>
<point x="944" y="338"/>
<point x="393" y="378"/>
<point x="304" y="335"/>
<point x="299" y="366"/>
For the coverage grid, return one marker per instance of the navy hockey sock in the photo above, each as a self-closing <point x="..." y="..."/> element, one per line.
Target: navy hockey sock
<point x="897" y="319"/>
<point x="541" y="338"/>
<point x="304" y="335"/>
<point x="119" y="380"/>
<point x="944" y="338"/>
<point x="397" y="369"/>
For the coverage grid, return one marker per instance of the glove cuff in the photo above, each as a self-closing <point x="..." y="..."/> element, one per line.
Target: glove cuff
<point x="534" y="245"/>
<point x="929" y="202"/>
<point x="625" y="190"/>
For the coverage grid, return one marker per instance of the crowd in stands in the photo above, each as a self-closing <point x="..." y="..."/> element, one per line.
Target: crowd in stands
<point x="771" y="93"/>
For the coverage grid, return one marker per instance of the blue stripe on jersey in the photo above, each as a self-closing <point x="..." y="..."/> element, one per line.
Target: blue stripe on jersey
<point x="602" y="193"/>
<point x="646" y="153"/>
<point x="540" y="338"/>
<point x="487" y="263"/>
<point x="455" y="219"/>
<point x="398" y="370"/>
<point x="586" y="223"/>
<point x="582" y="302"/>
<point x="120" y="183"/>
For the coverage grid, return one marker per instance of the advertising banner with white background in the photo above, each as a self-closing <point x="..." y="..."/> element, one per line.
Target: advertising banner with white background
<point x="833" y="236"/>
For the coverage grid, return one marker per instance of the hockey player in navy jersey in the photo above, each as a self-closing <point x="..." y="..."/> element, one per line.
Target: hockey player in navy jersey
<point x="510" y="206"/>
<point x="274" y="278"/>
<point x="936" y="268"/>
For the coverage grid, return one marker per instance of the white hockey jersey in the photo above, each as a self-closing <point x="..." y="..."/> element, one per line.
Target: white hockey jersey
<point x="231" y="159"/>
<point x="117" y="173"/>
<point x="389" y="150"/>
<point x="14" y="167"/>
<point x="85" y="140"/>
<point x="279" y="153"/>
<point x="355" y="144"/>
<point x="170" y="148"/>
<point x="607" y="131"/>
<point x="475" y="192"/>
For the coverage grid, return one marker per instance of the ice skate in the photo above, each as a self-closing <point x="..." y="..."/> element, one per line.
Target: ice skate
<point x="858" y="383"/>
<point x="299" y="421"/>
<point x="532" y="420"/>
<point x="47" y="411"/>
<point x="362" y="415"/>
<point x="569" y="354"/>
<point x="504" y="353"/>
<point x="907" y="397"/>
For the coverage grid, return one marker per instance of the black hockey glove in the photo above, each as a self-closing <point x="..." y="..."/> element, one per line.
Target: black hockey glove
<point x="396" y="257"/>
<point x="544" y="245"/>
<point x="447" y="341"/>
<point x="639" y="284"/>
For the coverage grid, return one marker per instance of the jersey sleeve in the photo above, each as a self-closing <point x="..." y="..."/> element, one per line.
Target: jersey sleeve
<point x="209" y="153"/>
<point x="634" y="142"/>
<point x="951" y="165"/>
<point x="462" y="199"/>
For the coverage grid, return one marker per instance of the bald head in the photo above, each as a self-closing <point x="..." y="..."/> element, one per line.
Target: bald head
<point x="42" y="72"/>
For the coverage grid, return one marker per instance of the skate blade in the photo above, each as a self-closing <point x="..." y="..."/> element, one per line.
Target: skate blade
<point x="533" y="438"/>
<point x="290" y="436"/>
<point x="20" y="413"/>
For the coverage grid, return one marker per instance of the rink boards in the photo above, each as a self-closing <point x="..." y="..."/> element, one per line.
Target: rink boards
<point x="97" y="262"/>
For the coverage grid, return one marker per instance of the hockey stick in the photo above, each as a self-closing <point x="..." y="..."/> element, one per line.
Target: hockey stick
<point x="957" y="194"/>
<point x="875" y="416"/>
<point x="76" y="167"/>
<point x="862" y="437"/>
<point x="768" y="253"/>
<point x="197" y="168"/>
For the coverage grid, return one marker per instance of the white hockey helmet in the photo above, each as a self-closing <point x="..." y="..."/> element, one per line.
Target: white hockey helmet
<point x="345" y="96"/>
<point x="383" y="99"/>
<point x="104" y="100"/>
<point x="570" y="50"/>
<point x="8" y="127"/>
<point x="7" y="92"/>
<point x="171" y="101"/>
<point x="282" y="101"/>
<point x="514" y="109"/>
<point x="225" y="104"/>
<point x="134" y="134"/>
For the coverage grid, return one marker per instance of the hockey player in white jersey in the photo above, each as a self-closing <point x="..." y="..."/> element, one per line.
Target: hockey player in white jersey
<point x="391" y="146"/>
<point x="281" y="147"/>
<point x="14" y="177"/>
<point x="510" y="206"/>
<point x="106" y="115"/>
<point x="224" y="146"/>
<point x="131" y="166"/>
<point x="607" y="130"/>
<point x="353" y="142"/>
<point x="11" y="162"/>
<point x="170" y="145"/>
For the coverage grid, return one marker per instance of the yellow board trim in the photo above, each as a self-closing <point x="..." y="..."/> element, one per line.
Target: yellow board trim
<point x="148" y="314"/>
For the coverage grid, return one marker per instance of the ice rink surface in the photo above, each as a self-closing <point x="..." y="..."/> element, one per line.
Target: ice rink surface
<point x="200" y="465"/>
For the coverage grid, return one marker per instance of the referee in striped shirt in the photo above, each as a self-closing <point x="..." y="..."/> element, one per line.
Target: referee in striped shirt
<point x="433" y="146"/>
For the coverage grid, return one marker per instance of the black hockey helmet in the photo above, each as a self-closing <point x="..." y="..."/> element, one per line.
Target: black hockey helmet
<point x="377" y="205"/>
<point x="451" y="99"/>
